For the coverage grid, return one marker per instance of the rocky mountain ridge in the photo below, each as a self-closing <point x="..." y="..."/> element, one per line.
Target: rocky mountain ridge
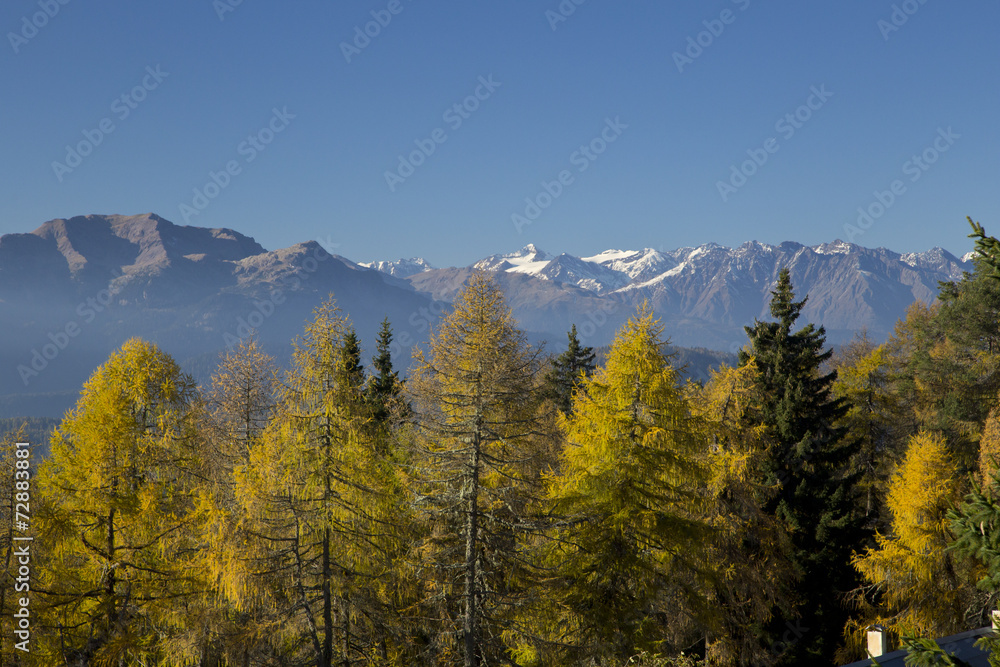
<point x="705" y="295"/>
<point x="74" y="289"/>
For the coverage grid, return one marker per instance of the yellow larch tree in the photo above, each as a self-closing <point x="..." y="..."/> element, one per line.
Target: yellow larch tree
<point x="476" y="393"/>
<point x="324" y="509"/>
<point x="122" y="516"/>
<point x="239" y="617"/>
<point x="749" y="550"/>
<point x="919" y="587"/>
<point x="627" y="559"/>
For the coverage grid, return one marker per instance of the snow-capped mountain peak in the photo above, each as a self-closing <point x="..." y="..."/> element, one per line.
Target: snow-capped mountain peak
<point x="838" y="247"/>
<point x="403" y="268"/>
<point x="719" y="270"/>
<point x="528" y="259"/>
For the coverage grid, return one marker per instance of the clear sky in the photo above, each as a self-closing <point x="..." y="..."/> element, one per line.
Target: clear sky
<point x="207" y="84"/>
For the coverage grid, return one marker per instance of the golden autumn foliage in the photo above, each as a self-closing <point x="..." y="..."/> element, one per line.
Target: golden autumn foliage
<point x="755" y="579"/>
<point x="919" y="585"/>
<point x="627" y="555"/>
<point x="477" y="393"/>
<point x="989" y="449"/>
<point x="320" y="502"/>
<point x="319" y="515"/>
<point x="122" y="506"/>
<point x="877" y="417"/>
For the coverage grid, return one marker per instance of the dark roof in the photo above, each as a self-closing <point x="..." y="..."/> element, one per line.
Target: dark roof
<point x="960" y="646"/>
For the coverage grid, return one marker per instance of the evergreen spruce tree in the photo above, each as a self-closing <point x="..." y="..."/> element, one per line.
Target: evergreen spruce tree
<point x="809" y="462"/>
<point x="352" y="369"/>
<point x="384" y="386"/>
<point x="569" y="370"/>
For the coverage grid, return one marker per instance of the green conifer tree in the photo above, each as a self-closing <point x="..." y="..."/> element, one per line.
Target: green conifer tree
<point x="384" y="386"/>
<point x="809" y="462"/>
<point x="569" y="370"/>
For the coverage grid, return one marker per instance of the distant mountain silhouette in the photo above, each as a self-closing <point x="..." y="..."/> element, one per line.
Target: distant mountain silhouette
<point x="73" y="290"/>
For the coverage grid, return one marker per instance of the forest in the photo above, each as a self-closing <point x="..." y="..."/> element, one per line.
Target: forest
<point x="502" y="506"/>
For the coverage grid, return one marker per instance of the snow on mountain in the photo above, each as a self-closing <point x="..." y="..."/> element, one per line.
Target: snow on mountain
<point x="838" y="247"/>
<point x="403" y="268"/>
<point x="630" y="272"/>
<point x="707" y="294"/>
<point x="937" y="259"/>
<point x="637" y="265"/>
<point x="529" y="260"/>
<point x="590" y="276"/>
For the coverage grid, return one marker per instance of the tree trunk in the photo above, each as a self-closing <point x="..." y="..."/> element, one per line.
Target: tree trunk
<point x="109" y="584"/>
<point x="346" y="647"/>
<point x="471" y="620"/>
<point x="327" y="603"/>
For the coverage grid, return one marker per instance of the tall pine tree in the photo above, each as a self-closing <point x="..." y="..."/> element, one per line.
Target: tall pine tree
<point x="384" y="386"/>
<point x="809" y="461"/>
<point x="569" y="370"/>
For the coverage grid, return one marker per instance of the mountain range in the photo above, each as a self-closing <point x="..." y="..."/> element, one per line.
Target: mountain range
<point x="705" y="295"/>
<point x="74" y="289"/>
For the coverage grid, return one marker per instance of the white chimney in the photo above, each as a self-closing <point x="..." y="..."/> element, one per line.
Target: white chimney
<point x="878" y="641"/>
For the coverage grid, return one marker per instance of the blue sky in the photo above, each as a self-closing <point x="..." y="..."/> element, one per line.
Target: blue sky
<point x="673" y="128"/>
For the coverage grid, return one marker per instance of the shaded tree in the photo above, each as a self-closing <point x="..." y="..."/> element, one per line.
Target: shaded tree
<point x="809" y="462"/>
<point x="877" y="420"/>
<point x="384" y="387"/>
<point x="569" y="370"/>
<point x="750" y="546"/>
